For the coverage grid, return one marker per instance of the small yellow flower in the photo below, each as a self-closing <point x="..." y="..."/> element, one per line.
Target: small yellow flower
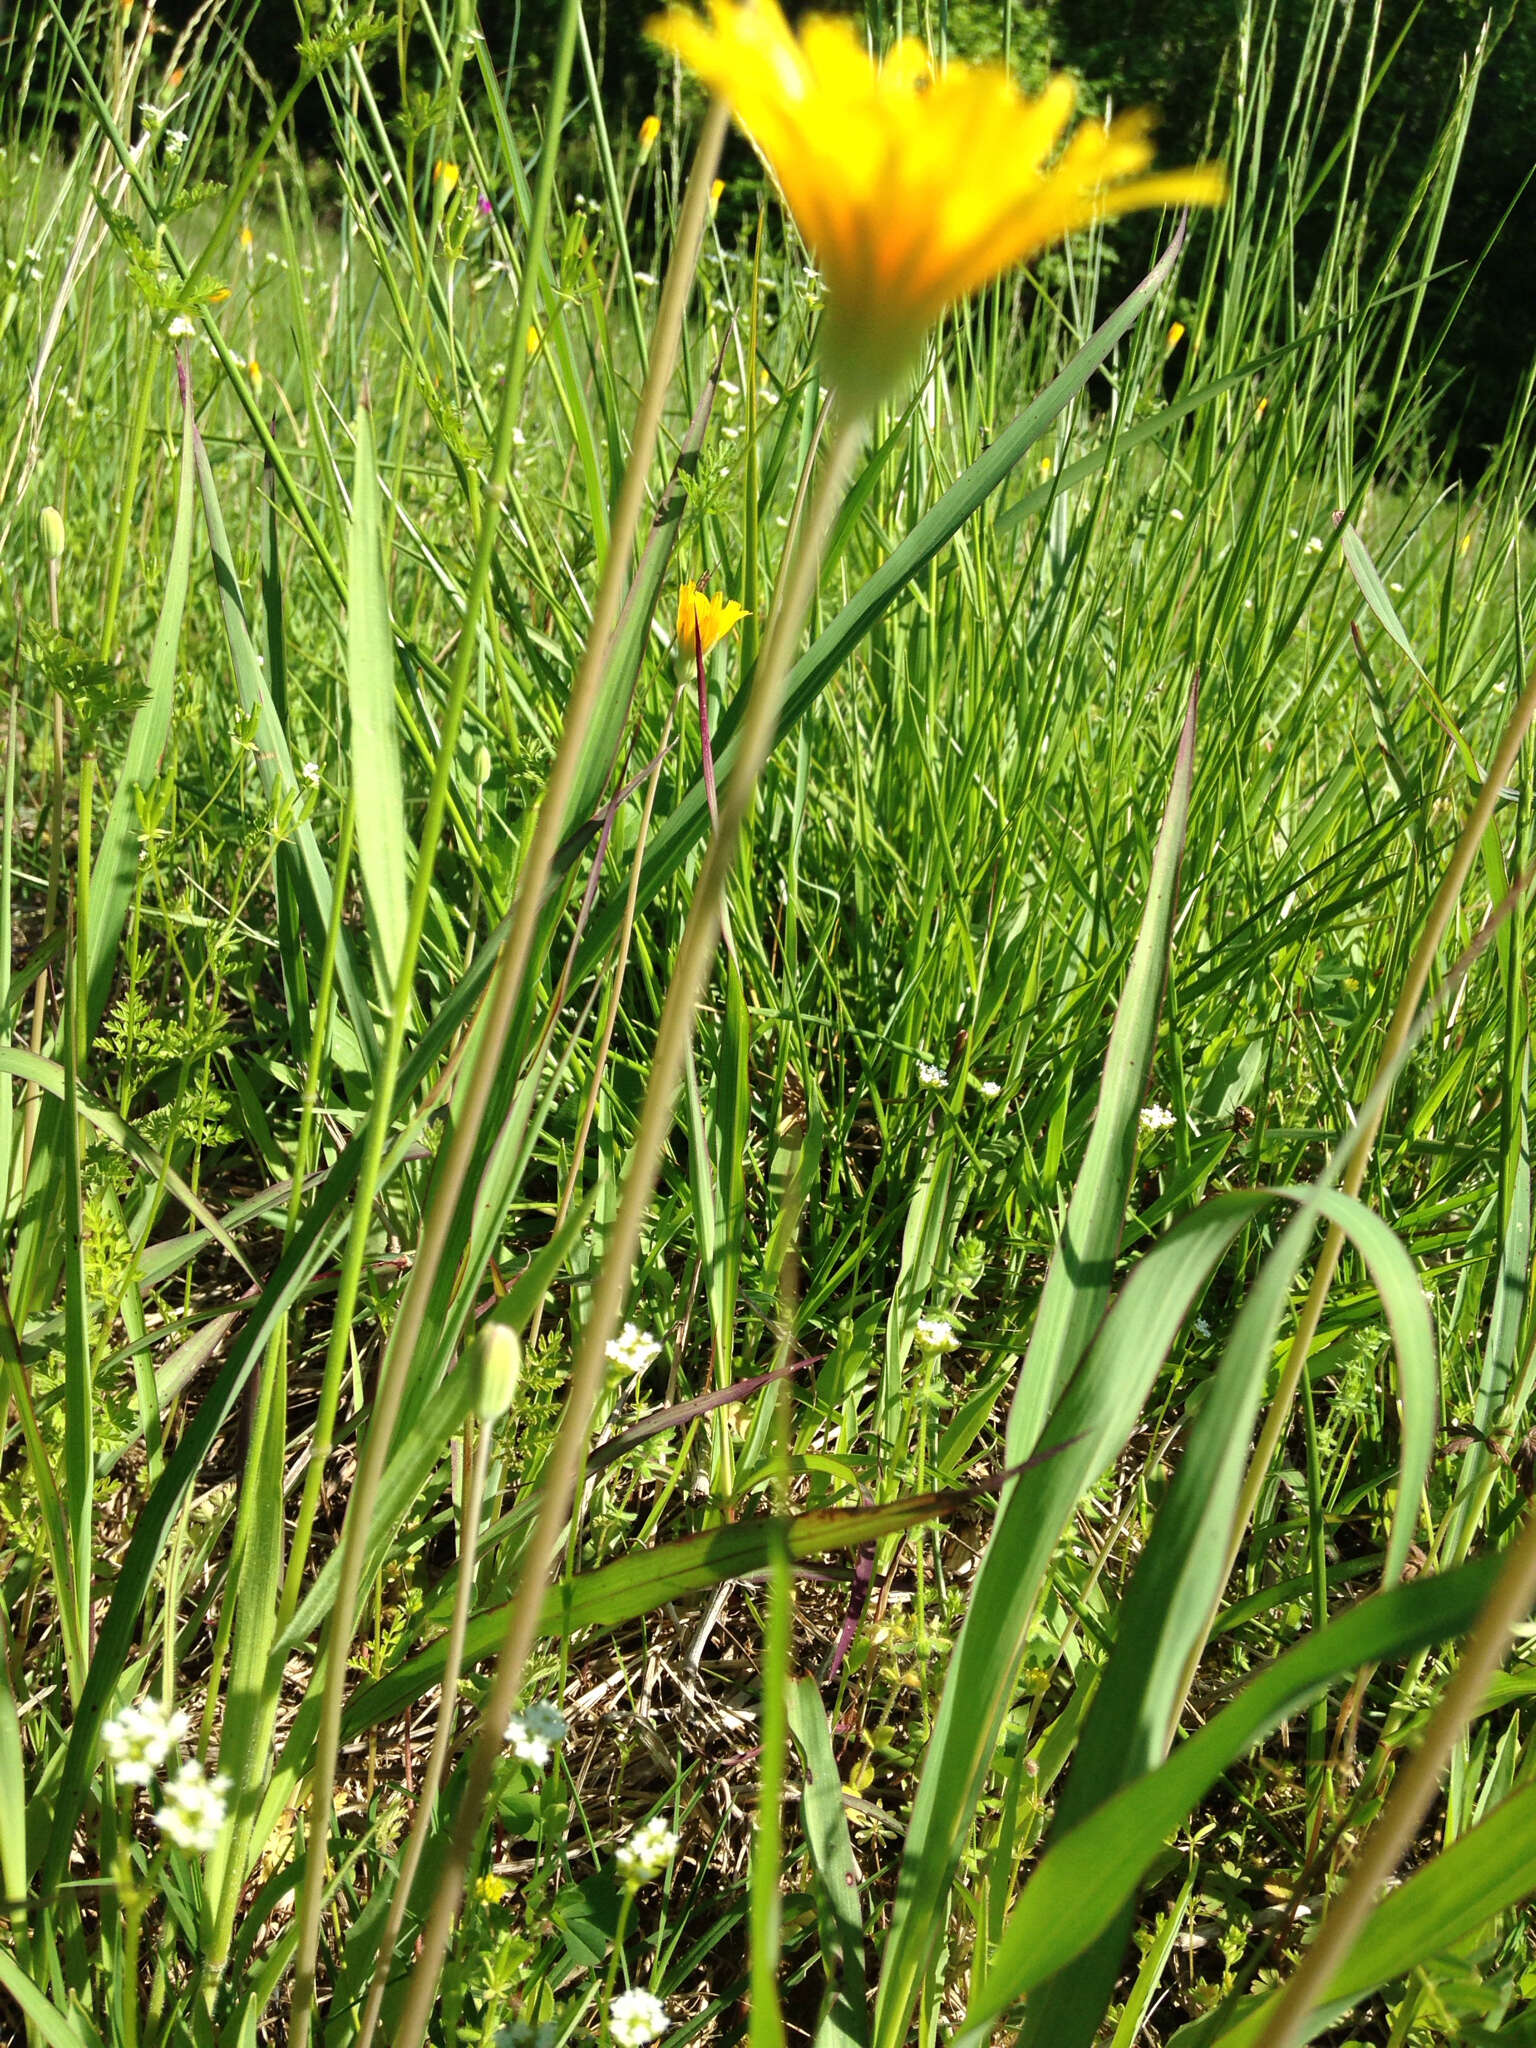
<point x="1045" y="466"/>
<point x="218" y="296"/>
<point x="1261" y="408"/>
<point x="491" y="1890"/>
<point x="534" y="342"/>
<point x="650" y="133"/>
<point x="1176" y="334"/>
<point x="716" y="192"/>
<point x="703" y="619"/>
<point x="912" y="187"/>
<point x="446" y="174"/>
<point x="247" y="239"/>
<point x="253" y="371"/>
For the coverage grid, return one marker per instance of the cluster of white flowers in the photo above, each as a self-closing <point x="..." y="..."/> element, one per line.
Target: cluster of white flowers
<point x="933" y="1334"/>
<point x="1156" y="1118"/>
<point x="636" y="2017"/>
<point x="633" y="1351"/>
<point x="181" y="328"/>
<point x="138" y="1743"/>
<point x="646" y="1854"/>
<point x="930" y="1076"/>
<point x="534" y="1732"/>
<point x="990" y="1089"/>
<point x="192" y="1810"/>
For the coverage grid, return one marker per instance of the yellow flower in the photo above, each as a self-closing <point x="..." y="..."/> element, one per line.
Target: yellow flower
<point x="702" y="620"/>
<point x="247" y="239"/>
<point x="912" y="187"/>
<point x="490" y="1890"/>
<point x="253" y="371"/>
<point x="534" y="342"/>
<point x="650" y="131"/>
<point x="1260" y="409"/>
<point x="716" y="191"/>
<point x="1176" y="334"/>
<point x="1045" y="466"/>
<point x="446" y="174"/>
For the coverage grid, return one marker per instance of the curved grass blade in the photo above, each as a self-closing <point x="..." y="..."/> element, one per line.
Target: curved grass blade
<point x="1101" y="1399"/>
<point x="1167" y="1609"/>
<point x="1083" y="1879"/>
<point x="1484" y="1872"/>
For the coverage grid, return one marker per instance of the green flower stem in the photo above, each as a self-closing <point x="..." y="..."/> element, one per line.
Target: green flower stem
<point x="128" y="493"/>
<point x="695" y="951"/>
<point x="432" y="1777"/>
<point x="397" y="1359"/>
<point x="324" y="1431"/>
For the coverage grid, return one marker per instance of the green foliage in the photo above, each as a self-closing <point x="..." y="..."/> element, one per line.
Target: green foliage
<point x="917" y="1578"/>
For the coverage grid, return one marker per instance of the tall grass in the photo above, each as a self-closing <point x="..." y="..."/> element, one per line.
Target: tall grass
<point x="1052" y="1562"/>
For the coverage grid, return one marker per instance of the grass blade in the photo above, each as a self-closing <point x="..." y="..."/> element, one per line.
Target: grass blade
<point x="375" y="753"/>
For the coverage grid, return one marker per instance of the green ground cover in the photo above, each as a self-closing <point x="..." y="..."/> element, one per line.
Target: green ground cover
<point x="1149" y="819"/>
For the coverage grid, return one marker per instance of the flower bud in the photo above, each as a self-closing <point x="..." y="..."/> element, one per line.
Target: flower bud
<point x="498" y="1367"/>
<point x="650" y="131"/>
<point x="51" y="526"/>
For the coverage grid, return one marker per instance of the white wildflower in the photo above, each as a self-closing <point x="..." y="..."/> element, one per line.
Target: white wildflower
<point x="181" y="328"/>
<point x="176" y="140"/>
<point x="644" y="277"/>
<point x="991" y="1089"/>
<point x="633" y="1351"/>
<point x="931" y="1076"/>
<point x="192" y="1810"/>
<point x="636" y="2017"/>
<point x="646" y="1854"/>
<point x="310" y="770"/>
<point x="935" y="1335"/>
<point x="1314" y="545"/>
<point x="534" y="1731"/>
<point x="1174" y="512"/>
<point x="137" y="1741"/>
<point x="1156" y="1117"/>
<point x="1202" y="1327"/>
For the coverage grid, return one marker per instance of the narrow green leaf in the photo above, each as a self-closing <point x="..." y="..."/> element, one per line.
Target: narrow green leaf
<point x="1166" y="1612"/>
<point x="117" y="856"/>
<point x="1082" y="1880"/>
<point x="1486" y="1872"/>
<point x="274" y="763"/>
<point x="845" y="2016"/>
<point x="375" y="755"/>
<point x="635" y="1584"/>
<point x="1092" y="1419"/>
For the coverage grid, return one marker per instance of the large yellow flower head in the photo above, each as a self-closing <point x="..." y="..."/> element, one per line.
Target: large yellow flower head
<point x="912" y="186"/>
<point x="702" y="619"/>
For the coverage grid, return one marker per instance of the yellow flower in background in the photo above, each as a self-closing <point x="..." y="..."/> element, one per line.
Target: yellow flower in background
<point x="1176" y="334"/>
<point x="911" y="186"/>
<point x="253" y="371"/>
<point x="247" y="239"/>
<point x="446" y="174"/>
<point x="716" y="192"/>
<point x="702" y="620"/>
<point x="534" y="342"/>
<point x="650" y="133"/>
